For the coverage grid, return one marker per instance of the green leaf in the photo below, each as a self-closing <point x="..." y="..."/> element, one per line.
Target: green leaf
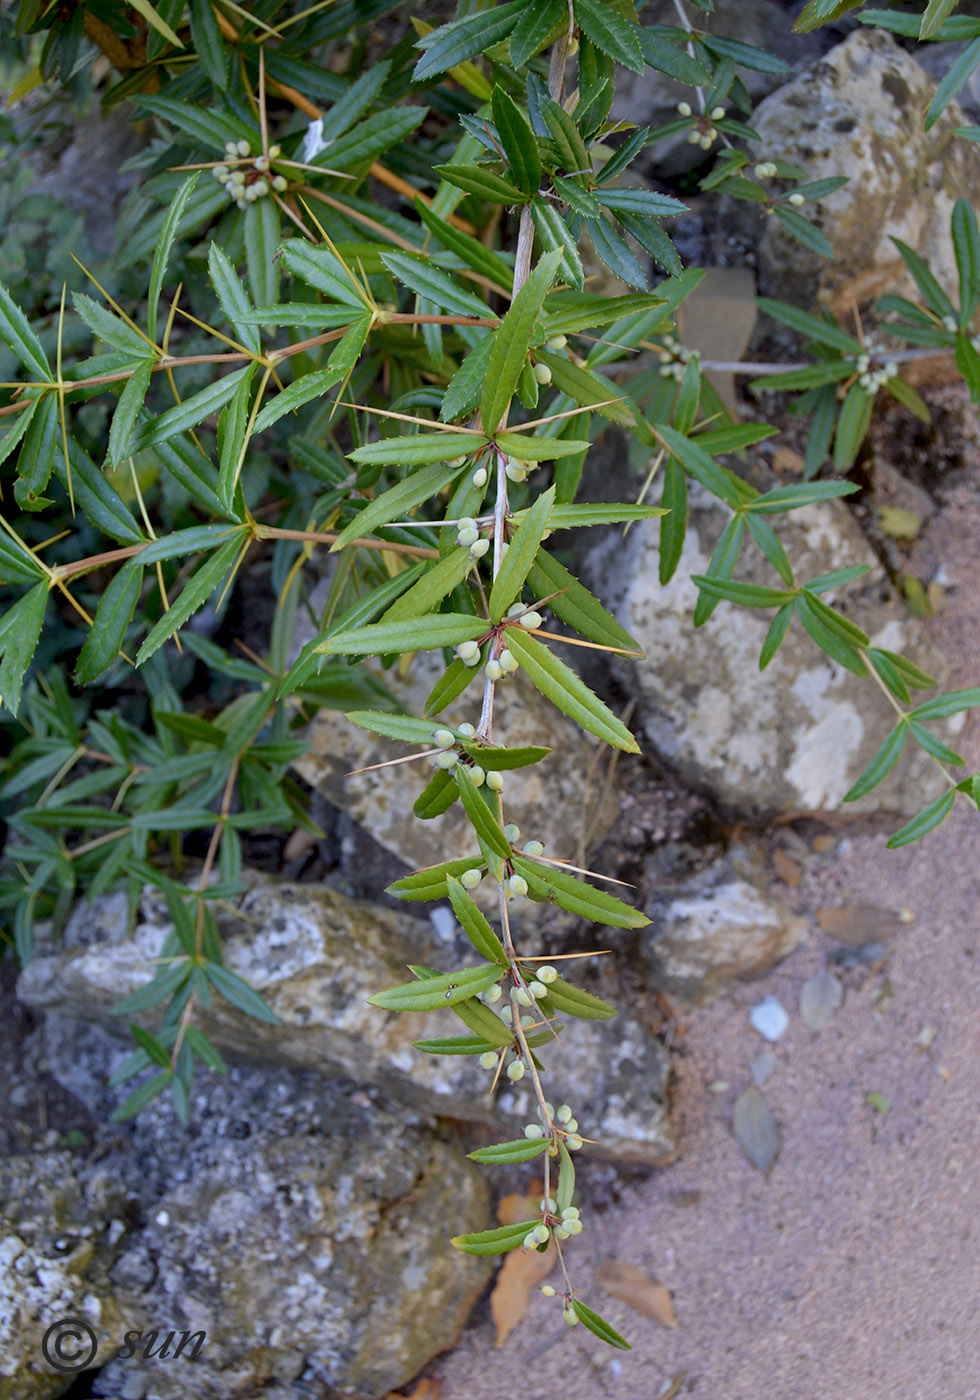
<point x="945" y="705"/>
<point x="804" y="493"/>
<point x="813" y="327"/>
<point x="208" y="45"/>
<point x="538" y="449"/>
<point x="315" y="385"/>
<point x="748" y="595"/>
<point x="150" y="1044"/>
<point x="436" y="797"/>
<point x="673" y="527"/>
<point x="512" y="341"/>
<point x="966" y="246"/>
<point x="936" y="12"/>
<point x="641" y="203"/>
<point x="418" y="449"/>
<point x="485" y="825"/>
<point x="852" y="426"/>
<point x="776" y="634"/>
<point x="434" y="585"/>
<point x="232" y="297"/>
<point x="573" y="1001"/>
<point x="466" y="385"/>
<point x="722" y="566"/>
<point x="610" y="33"/>
<point x="803" y="230"/>
<point x="474" y="925"/>
<point x="421" y="277"/>
<point x="140" y="1097"/>
<point x="462" y="39"/>
<point x="95" y="498"/>
<point x="19" y="339"/>
<point x="128" y="409"/>
<point x="321" y="269"/>
<point x="555" y="235"/>
<point x="498" y="1241"/>
<point x="586" y="387"/>
<point x="933" y="746"/>
<point x="926" y="820"/>
<point x="105" y="639"/>
<point x="819" y="12"/>
<point x="112" y="329"/>
<point x="370" y="138"/>
<point x="882" y="763"/>
<point x="596" y="1324"/>
<point x="195" y="593"/>
<point x="402" y="727"/>
<point x="615" y="253"/>
<point x="828" y="639"/>
<point x="412" y="634"/>
<point x="239" y="993"/>
<point x="188" y="414"/>
<point x="501" y="760"/>
<point x="430" y="883"/>
<point x="19" y="633"/>
<point x="505" y="1153"/>
<point x="575" y="605"/>
<point x="579" y="898"/>
<point x="703" y="467"/>
<point x="485" y="184"/>
<point x="566" y="1179"/>
<point x="397" y="501"/>
<point x="454" y="1045"/>
<point x="208" y="128"/>
<point x="518" y="140"/>
<point x="564" y="689"/>
<point x="540" y="24"/>
<point x="908" y="397"/>
<point x="520" y="556"/>
<point x="960" y="71"/>
<point x="430" y="993"/>
<point x="263" y="230"/>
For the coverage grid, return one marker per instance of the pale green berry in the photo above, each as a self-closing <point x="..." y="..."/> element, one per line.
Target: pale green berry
<point x="470" y="879"/>
<point x="707" y="141"/>
<point x="716" y="113"/>
<point x="520" y="996"/>
<point x="949" y="323"/>
<point x="570" y="1213"/>
<point x="568" y="1314"/>
<point x="572" y="1125"/>
<point x="447" y="759"/>
<point x="220" y="172"/>
<point x="542" y="373"/>
<point x="537" y="989"/>
<point x="493" y="994"/>
<point x="444" y="739"/>
<point x="506" y="1014"/>
<point x="890" y="370"/>
<point x="488" y="1060"/>
<point x="693" y="137"/>
<point x="527" y="1022"/>
<point x="509" y="661"/>
<point x="547" y="1290"/>
<point x="468" y="537"/>
<point x="516" y="1071"/>
<point x="557" y="342"/>
<point x="797" y="199"/>
<point x="547" y="974"/>
<point x="542" y="1234"/>
<point x="466" y="729"/>
<point x="573" y="1143"/>
<point x="518" y="885"/>
<point x="550" y="1108"/>
<point x="548" y="1204"/>
<point x="280" y="183"/>
<point x="242" y="203"/>
<point x="466" y="522"/>
<point x="477" y="775"/>
<point x="468" y="652"/>
<point x="529" y="1241"/>
<point x="493" y="671"/>
<point x="684" y="108"/>
<point x="495" y="781"/>
<point x="261" y="162"/>
<point x="532" y="620"/>
<point x="512" y="832"/>
<point x="533" y="848"/>
<point x="514" y="609"/>
<point x="533" y="1131"/>
<point x="515" y="472"/>
<point x="261" y="189"/>
<point x="480" y="478"/>
<point x="564" y="1113"/>
<point x="574" y="1227"/>
<point x="244" y="149"/>
<point x="231" y="147"/>
<point x="275" y="152"/>
<point x="561" y="1233"/>
<point x="478" y="550"/>
<point x="503" y="549"/>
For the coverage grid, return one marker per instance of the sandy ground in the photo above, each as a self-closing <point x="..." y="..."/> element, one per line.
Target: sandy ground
<point x="853" y="1271"/>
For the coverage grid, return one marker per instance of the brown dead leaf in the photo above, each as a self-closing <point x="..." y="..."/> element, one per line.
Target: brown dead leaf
<point x="856" y="924"/>
<point x="631" y="1285"/>
<point x="298" y="844"/>
<point x="784" y="460"/>
<point x="427" y="1389"/>
<point x="519" y="1274"/>
<point x="519" y="1206"/>
<point x="786" y="868"/>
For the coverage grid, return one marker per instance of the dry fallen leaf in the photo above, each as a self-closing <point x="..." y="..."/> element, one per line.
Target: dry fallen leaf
<point x="520" y="1271"/>
<point x="519" y="1206"/>
<point x="631" y="1285"/>
<point x="899" y="523"/>
<point x="786" y="868"/>
<point x="856" y="924"/>
<point x="427" y="1389"/>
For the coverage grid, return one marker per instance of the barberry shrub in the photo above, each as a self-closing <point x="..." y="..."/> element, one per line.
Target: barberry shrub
<point x="353" y="311"/>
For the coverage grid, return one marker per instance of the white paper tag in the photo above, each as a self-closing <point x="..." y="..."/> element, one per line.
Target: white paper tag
<point x="313" y="142"/>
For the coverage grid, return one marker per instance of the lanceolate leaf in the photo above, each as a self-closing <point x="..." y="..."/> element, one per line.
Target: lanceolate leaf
<point x="519" y="142"/>
<point x="483" y="822"/>
<point x="415" y="489"/>
<point x="21" y="628"/>
<point x="105" y="639"/>
<point x="599" y="1326"/>
<point x="414" y="634"/>
<point x="196" y="592"/>
<point x="462" y="39"/>
<point x="128" y="409"/>
<point x="574" y="604"/>
<point x="475" y="926"/>
<point x="564" y="689"/>
<point x="505" y="1153"/>
<point x="430" y="993"/>
<point x="881" y="765"/>
<point x="580" y="898"/>
<point x="512" y="341"/>
<point x="20" y="340"/>
<point x="418" y="449"/>
<point x="926" y="820"/>
<point x="498" y="1241"/>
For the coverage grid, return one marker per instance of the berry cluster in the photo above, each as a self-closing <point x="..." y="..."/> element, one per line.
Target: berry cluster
<point x="247" y="177"/>
<point x="673" y="358"/>
<point x="873" y="378"/>
<point x="704" y="133"/>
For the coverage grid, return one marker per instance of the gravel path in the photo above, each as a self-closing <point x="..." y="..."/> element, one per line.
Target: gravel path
<point x="853" y="1271"/>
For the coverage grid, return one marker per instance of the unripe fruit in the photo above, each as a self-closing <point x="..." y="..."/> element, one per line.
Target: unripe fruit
<point x="570" y="1213"/>
<point x="470" y="879"/>
<point x="716" y="113"/>
<point x="466" y="729"/>
<point x="493" y="671"/>
<point x="493" y="994"/>
<point x="478" y="550"/>
<point x="537" y="989"/>
<point x="444" y="739"/>
<point x="468" y="652"/>
<point x="542" y="373"/>
<point x="529" y="1241"/>
<point x="561" y="1233"/>
<point x="516" y="472"/>
<point x="548" y="1204"/>
<point x="684" y="108"/>
<point x="515" y="1072"/>
<point x="542" y="1234"/>
<point x="532" y="621"/>
<point x="512" y="832"/>
<point x="557" y="342"/>
<point x="280" y="183"/>
<point x="569" y="1316"/>
<point x="547" y="1290"/>
<point x="520" y="996"/>
<point x="533" y="848"/>
<point x="468" y="537"/>
<point x="574" y="1227"/>
<point x="564" y="1113"/>
<point x="447" y="759"/>
<point x="547" y="974"/>
<point x="477" y="776"/>
<point x="509" y="661"/>
<point x="573" y="1143"/>
<point x="797" y="199"/>
<point x="495" y="781"/>
<point x="275" y="152"/>
<point x="518" y="886"/>
<point x="480" y="478"/>
<point x="244" y="149"/>
<point x="534" y="1131"/>
<point x="488" y="1060"/>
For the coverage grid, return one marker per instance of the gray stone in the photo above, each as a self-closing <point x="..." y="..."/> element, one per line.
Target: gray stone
<point x="60" y="1228"/>
<point x="860" y="112"/>
<point x="715" y="930"/>
<point x="755" y="1129"/>
<point x="820" y="996"/>
<point x="316" y="957"/>
<point x="797" y="735"/>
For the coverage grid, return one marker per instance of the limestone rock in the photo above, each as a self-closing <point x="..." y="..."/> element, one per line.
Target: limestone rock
<point x="796" y="735"/>
<point x="546" y="800"/>
<point x="713" y="931"/>
<point x="860" y="112"/>
<point x="316" y="957"/>
<point x="60" y="1230"/>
